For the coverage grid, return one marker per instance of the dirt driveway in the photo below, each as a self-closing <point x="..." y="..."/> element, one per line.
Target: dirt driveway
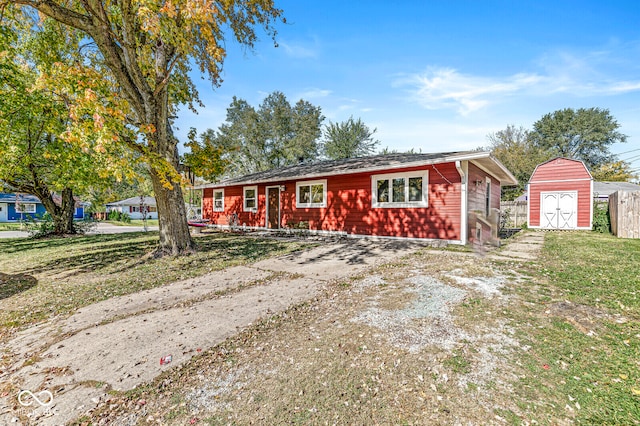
<point x="118" y="344"/>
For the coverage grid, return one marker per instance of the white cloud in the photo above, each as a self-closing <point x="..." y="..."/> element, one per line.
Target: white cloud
<point x="561" y="73"/>
<point x="439" y="88"/>
<point x="313" y="93"/>
<point x="299" y="50"/>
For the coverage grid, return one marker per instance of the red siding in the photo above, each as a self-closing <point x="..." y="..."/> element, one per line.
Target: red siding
<point x="477" y="192"/>
<point x="560" y="175"/>
<point x="349" y="207"/>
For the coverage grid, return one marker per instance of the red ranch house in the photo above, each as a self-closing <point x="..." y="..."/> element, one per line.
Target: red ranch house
<point x="560" y="195"/>
<point x="447" y="196"/>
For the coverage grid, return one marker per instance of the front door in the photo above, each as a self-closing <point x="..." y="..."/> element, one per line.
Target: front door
<point x="3" y="212"/>
<point x="273" y="207"/>
<point x="559" y="210"/>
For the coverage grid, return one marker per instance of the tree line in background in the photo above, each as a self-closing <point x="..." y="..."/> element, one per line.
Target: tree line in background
<point x="584" y="134"/>
<point x="276" y="134"/>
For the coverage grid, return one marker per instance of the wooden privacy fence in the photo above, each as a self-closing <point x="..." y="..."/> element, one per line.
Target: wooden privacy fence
<point x="515" y="212"/>
<point x="624" y="214"/>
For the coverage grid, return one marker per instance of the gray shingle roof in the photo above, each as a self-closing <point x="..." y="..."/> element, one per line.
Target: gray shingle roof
<point x="134" y="201"/>
<point x="358" y="165"/>
<point x="604" y="189"/>
<point x="24" y="198"/>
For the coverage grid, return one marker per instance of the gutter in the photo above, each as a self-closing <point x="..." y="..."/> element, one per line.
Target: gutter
<point x="464" y="217"/>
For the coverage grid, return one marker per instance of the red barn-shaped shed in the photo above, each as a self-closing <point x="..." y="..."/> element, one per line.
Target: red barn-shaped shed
<point x="560" y="194"/>
<point x="446" y="196"/>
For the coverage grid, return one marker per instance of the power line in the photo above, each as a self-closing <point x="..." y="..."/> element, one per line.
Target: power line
<point x="627" y="152"/>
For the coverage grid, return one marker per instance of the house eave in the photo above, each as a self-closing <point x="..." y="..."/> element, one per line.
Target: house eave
<point x="482" y="157"/>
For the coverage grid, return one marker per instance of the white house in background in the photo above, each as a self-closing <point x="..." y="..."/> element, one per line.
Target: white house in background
<point x="602" y="190"/>
<point x="134" y="207"/>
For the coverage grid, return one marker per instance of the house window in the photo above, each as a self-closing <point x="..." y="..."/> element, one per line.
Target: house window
<point x="26" y="208"/>
<point x="311" y="194"/>
<point x="250" y="198"/>
<point x="400" y="190"/>
<point x="218" y="200"/>
<point x="138" y="209"/>
<point x="487" y="197"/>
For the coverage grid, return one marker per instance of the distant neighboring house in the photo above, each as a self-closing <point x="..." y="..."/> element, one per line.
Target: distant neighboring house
<point x="452" y="196"/>
<point x="15" y="207"/>
<point x="134" y="207"/>
<point x="602" y="190"/>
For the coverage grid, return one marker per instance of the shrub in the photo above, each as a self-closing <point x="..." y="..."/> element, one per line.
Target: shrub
<point x="117" y="216"/>
<point x="601" y="221"/>
<point x="39" y="225"/>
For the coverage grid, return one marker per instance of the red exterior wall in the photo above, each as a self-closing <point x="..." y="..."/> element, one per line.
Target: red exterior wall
<point x="477" y="193"/>
<point x="349" y="208"/>
<point x="557" y="175"/>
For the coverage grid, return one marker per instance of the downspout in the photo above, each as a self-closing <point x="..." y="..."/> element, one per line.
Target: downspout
<point x="464" y="217"/>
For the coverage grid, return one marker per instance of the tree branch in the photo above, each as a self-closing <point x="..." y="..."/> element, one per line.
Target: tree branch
<point x="60" y="13"/>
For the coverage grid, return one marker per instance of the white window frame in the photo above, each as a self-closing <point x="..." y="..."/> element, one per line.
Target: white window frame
<point x="311" y="204"/>
<point x="244" y="198"/>
<point x="22" y="208"/>
<point x="424" y="174"/>
<point x="218" y="209"/>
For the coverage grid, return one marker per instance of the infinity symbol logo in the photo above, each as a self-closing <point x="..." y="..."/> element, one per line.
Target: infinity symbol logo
<point x="35" y="398"/>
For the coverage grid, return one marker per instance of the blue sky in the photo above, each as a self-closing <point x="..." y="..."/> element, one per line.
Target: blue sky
<point x="441" y="75"/>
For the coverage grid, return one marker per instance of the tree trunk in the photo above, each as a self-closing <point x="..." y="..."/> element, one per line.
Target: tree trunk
<point x="175" y="238"/>
<point x="64" y="224"/>
<point x="174" y="230"/>
<point x="62" y="215"/>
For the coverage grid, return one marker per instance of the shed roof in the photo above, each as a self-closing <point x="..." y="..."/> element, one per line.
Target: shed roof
<point x="559" y="161"/>
<point x="370" y="164"/>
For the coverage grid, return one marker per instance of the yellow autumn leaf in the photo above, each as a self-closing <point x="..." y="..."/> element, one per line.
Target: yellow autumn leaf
<point x="623" y="376"/>
<point x="635" y="391"/>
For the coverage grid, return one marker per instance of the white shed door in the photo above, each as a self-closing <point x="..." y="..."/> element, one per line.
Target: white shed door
<point x="559" y="210"/>
<point x="3" y="212"/>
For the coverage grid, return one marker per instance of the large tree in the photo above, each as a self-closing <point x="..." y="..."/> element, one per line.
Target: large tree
<point x="43" y="151"/>
<point x="149" y="47"/>
<point x="349" y="139"/>
<point x="277" y="134"/>
<point x="513" y="148"/>
<point x="583" y="134"/>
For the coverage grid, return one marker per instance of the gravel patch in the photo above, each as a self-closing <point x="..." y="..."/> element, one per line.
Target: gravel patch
<point x="488" y="286"/>
<point x="426" y="321"/>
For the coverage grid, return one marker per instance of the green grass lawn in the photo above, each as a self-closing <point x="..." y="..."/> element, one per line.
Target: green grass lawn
<point x="47" y="277"/>
<point x="10" y="226"/>
<point x="584" y="333"/>
<point x="134" y="222"/>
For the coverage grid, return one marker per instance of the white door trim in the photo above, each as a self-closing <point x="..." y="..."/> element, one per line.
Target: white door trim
<point x="266" y="196"/>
